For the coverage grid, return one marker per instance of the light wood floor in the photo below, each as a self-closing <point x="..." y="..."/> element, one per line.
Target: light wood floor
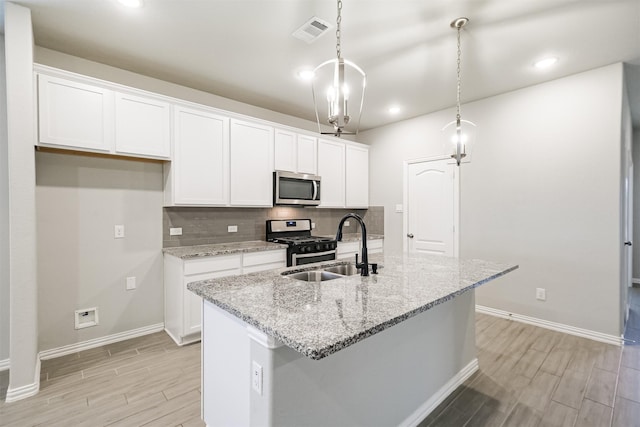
<point x="528" y="377"/>
<point x="142" y="381"/>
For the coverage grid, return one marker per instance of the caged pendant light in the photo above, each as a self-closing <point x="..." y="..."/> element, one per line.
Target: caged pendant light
<point x="459" y="134"/>
<point x="341" y="81"/>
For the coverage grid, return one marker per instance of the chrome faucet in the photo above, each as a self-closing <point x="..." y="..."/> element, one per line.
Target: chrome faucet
<point x="364" y="266"/>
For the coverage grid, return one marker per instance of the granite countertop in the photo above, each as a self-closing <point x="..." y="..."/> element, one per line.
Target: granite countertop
<point x="321" y="318"/>
<point x="187" y="252"/>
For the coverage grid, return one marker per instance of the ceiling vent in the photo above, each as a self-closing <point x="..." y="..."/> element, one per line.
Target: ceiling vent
<point x="312" y="29"/>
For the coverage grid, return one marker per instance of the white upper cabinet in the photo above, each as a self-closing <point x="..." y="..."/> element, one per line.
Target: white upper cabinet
<point x="285" y="151"/>
<point x="307" y="149"/>
<point x="357" y="177"/>
<point x="331" y="166"/>
<point x="143" y="126"/>
<point x="251" y="165"/>
<point x="199" y="173"/>
<point x="74" y="115"/>
<point x="295" y="152"/>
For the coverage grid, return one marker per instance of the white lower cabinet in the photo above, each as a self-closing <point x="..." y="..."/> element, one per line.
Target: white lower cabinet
<point x="183" y="308"/>
<point x="350" y="249"/>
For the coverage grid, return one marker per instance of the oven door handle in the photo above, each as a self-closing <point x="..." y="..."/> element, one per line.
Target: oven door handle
<point x="294" y="257"/>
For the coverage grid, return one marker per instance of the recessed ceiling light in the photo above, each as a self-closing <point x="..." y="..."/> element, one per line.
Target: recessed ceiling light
<point x="131" y="3"/>
<point x="545" y="62"/>
<point x="306" y="74"/>
<point x="394" y="109"/>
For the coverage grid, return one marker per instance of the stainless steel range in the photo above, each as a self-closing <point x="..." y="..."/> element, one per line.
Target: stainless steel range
<point x="303" y="248"/>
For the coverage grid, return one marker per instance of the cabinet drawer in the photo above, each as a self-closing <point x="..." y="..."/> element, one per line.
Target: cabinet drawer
<point x="264" y="257"/>
<point x="211" y="264"/>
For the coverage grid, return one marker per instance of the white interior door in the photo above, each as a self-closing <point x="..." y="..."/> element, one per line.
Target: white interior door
<point x="431" y="208"/>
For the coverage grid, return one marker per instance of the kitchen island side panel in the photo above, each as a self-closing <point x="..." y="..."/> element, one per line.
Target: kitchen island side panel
<point x="385" y="379"/>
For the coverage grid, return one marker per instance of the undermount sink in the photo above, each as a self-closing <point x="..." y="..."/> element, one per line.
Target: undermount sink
<point x="314" y="276"/>
<point x="343" y="270"/>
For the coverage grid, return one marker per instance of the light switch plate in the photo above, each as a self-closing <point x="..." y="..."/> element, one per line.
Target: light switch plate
<point x="131" y="283"/>
<point x="399" y="208"/>
<point x="118" y="232"/>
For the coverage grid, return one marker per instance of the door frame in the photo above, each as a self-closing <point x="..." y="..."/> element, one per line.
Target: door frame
<point x="456" y="200"/>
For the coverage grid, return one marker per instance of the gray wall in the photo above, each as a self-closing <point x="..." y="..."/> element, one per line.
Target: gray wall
<point x="636" y="205"/>
<point x="209" y="225"/>
<point x="23" y="335"/>
<point x="4" y="214"/>
<point x="542" y="190"/>
<point x="80" y="264"/>
<point x="82" y="66"/>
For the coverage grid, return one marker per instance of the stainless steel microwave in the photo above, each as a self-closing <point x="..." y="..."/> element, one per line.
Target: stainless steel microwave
<point x="295" y="189"/>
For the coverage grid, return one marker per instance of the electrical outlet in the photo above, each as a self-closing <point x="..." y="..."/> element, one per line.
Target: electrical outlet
<point x="232" y="229"/>
<point x="346" y="223"/>
<point x="398" y="208"/>
<point x="256" y="377"/>
<point x="313" y="225"/>
<point x="131" y="283"/>
<point x="541" y="294"/>
<point x="175" y="231"/>
<point x="118" y="232"/>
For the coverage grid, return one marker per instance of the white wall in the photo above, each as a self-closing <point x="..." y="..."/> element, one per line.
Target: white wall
<point x="80" y="264"/>
<point x="4" y="214"/>
<point x="24" y="374"/>
<point x="542" y="190"/>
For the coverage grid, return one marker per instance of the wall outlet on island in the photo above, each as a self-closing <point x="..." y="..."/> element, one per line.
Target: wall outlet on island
<point x="256" y="377"/>
<point x="541" y="294"/>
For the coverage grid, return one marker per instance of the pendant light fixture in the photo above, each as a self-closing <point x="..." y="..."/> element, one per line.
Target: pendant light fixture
<point x="341" y="81"/>
<point x="459" y="134"/>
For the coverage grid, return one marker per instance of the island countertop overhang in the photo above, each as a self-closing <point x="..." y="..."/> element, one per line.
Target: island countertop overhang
<point x="319" y="318"/>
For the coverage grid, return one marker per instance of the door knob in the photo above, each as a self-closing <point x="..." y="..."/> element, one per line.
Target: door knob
<point x="628" y="244"/>
<point x="410" y="235"/>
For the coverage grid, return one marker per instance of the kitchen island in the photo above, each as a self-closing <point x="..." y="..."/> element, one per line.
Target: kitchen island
<point x="377" y="350"/>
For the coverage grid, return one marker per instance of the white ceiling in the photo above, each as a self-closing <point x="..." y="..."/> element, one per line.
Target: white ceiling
<point x="243" y="49"/>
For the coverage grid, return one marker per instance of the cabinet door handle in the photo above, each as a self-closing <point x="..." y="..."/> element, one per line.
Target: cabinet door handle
<point x="410" y="235"/>
<point x="628" y="243"/>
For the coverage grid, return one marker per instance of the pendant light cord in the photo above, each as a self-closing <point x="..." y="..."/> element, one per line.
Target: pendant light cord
<point x="458" y="74"/>
<point x="338" y="32"/>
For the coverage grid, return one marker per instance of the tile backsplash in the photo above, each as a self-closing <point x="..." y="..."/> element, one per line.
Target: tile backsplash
<point x="201" y="226"/>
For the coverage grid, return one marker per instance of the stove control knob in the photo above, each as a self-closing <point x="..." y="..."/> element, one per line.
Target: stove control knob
<point x="318" y="247"/>
<point x="303" y="249"/>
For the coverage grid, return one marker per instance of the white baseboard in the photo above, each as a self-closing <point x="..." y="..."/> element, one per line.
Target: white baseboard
<point x="19" y="393"/>
<point x="97" y="342"/>
<point x="4" y="365"/>
<point x="427" y="407"/>
<point x="560" y="327"/>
